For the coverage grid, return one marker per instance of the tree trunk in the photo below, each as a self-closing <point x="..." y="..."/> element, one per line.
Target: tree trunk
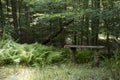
<point x="82" y="32"/>
<point x="1" y="13"/>
<point x="88" y="32"/>
<point x="86" y="22"/>
<point x="27" y="16"/>
<point x="7" y="4"/>
<point x="95" y="24"/>
<point x="107" y="36"/>
<point x="1" y="19"/>
<point x="75" y="38"/>
<point x="55" y="34"/>
<point x="20" y="3"/>
<point x="8" y="11"/>
<point x="14" y="15"/>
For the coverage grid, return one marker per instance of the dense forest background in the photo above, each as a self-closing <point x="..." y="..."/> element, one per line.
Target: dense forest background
<point x="60" y="22"/>
<point x="34" y="33"/>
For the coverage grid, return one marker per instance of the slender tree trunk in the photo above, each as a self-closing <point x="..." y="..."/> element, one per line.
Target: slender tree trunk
<point x="108" y="42"/>
<point x="15" y="20"/>
<point x="20" y="3"/>
<point x="86" y="22"/>
<point x="1" y="13"/>
<point x="106" y="25"/>
<point x="95" y="23"/>
<point x="75" y="38"/>
<point x="82" y="32"/>
<point x="19" y="11"/>
<point x="55" y="34"/>
<point x="27" y="16"/>
<point x="107" y="36"/>
<point x="7" y="4"/>
<point x="8" y="11"/>
<point x="1" y="19"/>
<point x="88" y="32"/>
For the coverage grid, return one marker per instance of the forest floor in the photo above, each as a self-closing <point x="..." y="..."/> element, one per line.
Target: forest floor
<point x="55" y="72"/>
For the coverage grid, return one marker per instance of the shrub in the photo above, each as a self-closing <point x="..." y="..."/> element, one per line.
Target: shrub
<point x="84" y="56"/>
<point x="113" y="66"/>
<point x="14" y="53"/>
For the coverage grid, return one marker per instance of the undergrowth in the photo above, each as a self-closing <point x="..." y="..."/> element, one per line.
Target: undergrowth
<point x="112" y="65"/>
<point x="53" y="72"/>
<point x="33" y="54"/>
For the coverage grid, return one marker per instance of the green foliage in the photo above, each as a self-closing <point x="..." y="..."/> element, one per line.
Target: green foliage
<point x="14" y="53"/>
<point x="113" y="66"/>
<point x="84" y="56"/>
<point x="54" y="72"/>
<point x="39" y="18"/>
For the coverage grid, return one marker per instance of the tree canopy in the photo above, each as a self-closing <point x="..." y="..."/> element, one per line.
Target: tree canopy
<point x="60" y="22"/>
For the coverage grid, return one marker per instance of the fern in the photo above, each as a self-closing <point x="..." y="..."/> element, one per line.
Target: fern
<point x="28" y="54"/>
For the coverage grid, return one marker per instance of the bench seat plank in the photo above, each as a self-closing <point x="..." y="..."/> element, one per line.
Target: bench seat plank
<point x="78" y="46"/>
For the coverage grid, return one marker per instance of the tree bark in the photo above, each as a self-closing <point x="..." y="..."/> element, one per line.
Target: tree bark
<point x="1" y="14"/>
<point x="7" y="4"/>
<point x="95" y="23"/>
<point x="82" y="33"/>
<point x="86" y="22"/>
<point x="1" y="19"/>
<point x="107" y="36"/>
<point x="15" y="20"/>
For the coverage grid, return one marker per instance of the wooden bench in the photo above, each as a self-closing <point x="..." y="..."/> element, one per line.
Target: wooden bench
<point x="73" y="51"/>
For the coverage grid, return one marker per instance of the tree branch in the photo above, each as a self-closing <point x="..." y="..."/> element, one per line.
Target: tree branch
<point x="55" y="34"/>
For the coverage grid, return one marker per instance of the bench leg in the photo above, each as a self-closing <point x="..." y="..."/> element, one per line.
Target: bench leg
<point x="72" y="55"/>
<point x="96" y="58"/>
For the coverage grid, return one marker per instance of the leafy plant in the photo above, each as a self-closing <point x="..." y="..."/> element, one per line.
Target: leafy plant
<point x="113" y="66"/>
<point x="84" y="56"/>
<point x="14" y="53"/>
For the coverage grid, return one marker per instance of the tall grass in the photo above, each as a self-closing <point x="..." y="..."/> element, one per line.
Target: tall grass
<point x="84" y="56"/>
<point x="34" y="54"/>
<point x="54" y="72"/>
<point x="64" y="72"/>
<point x="113" y="66"/>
